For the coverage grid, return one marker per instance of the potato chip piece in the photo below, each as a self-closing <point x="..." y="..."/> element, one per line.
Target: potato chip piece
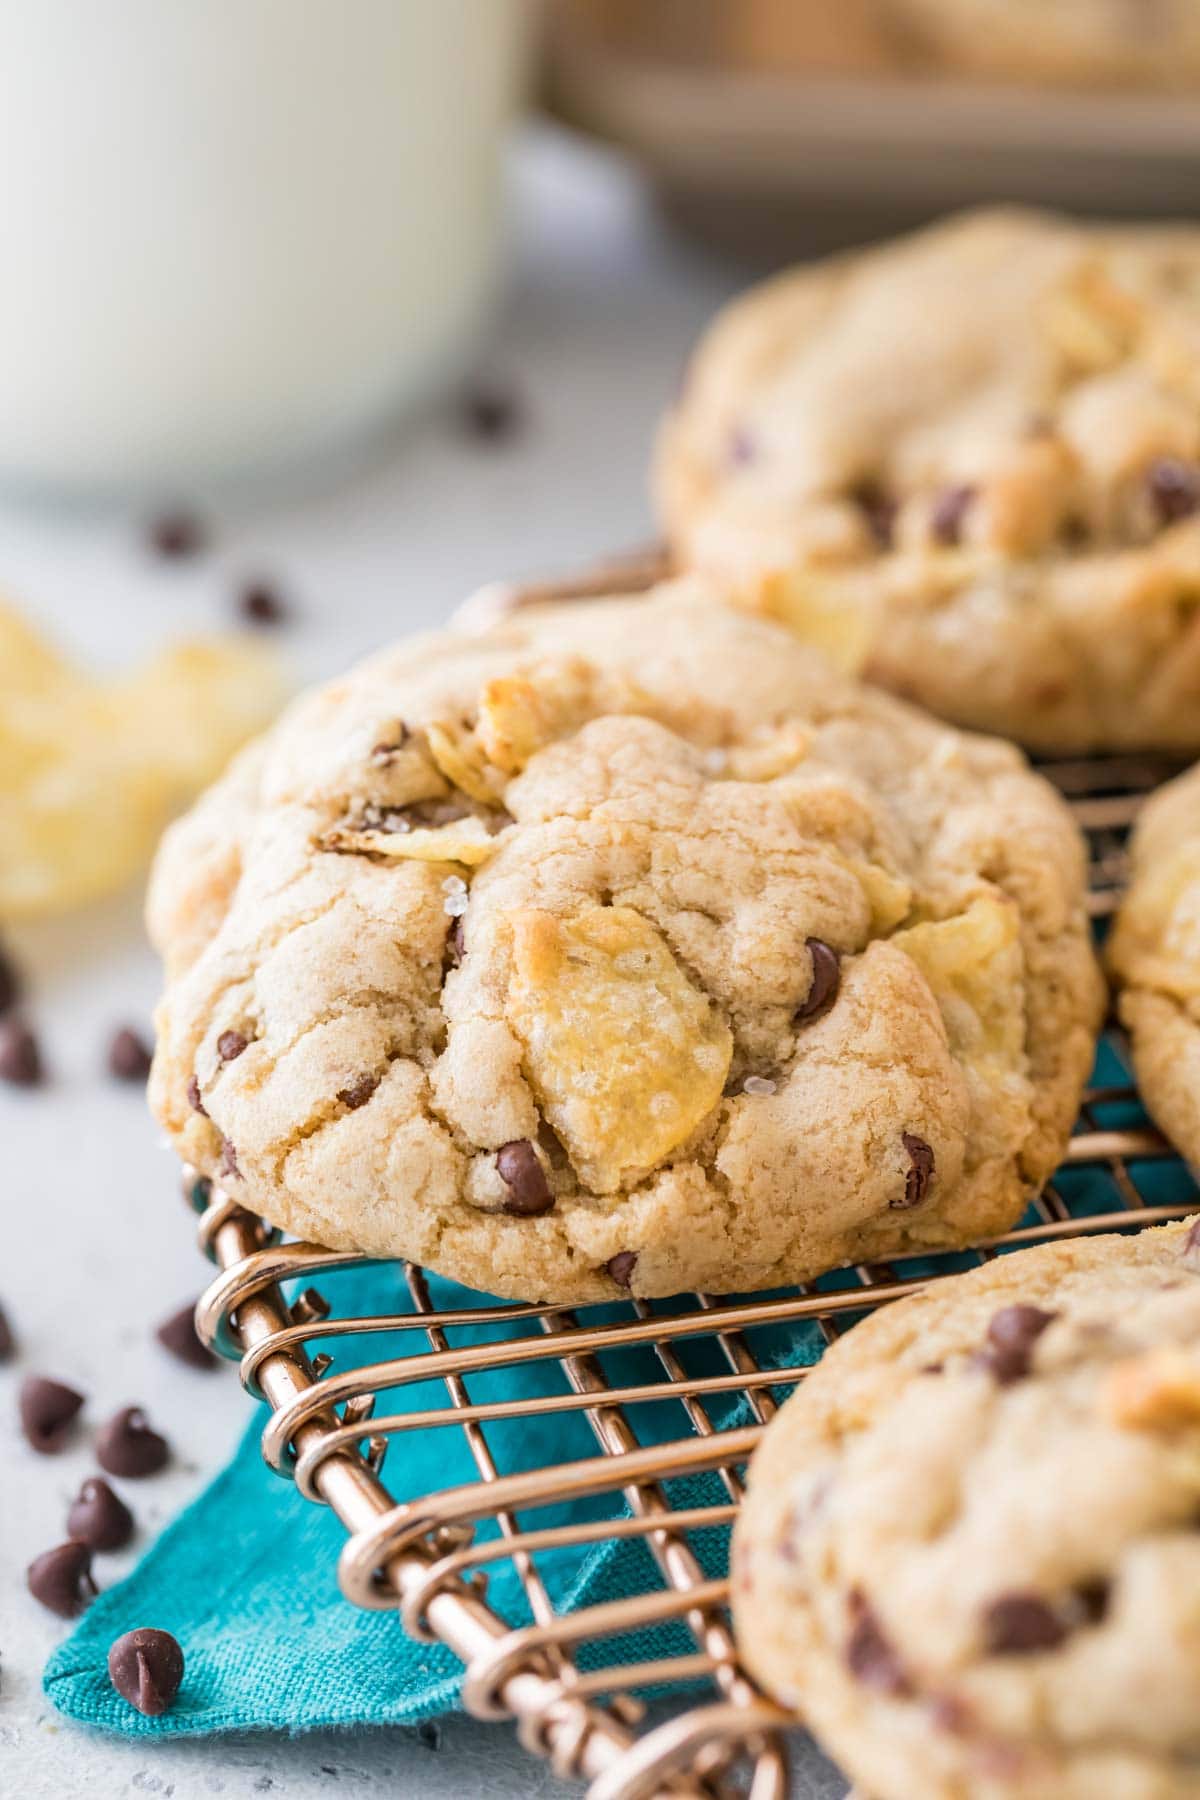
<point x="624" y="1053"/>
<point x="465" y="841"/>
<point x="1157" y="1391"/>
<point x="974" y="959"/>
<point x="91" y="771"/>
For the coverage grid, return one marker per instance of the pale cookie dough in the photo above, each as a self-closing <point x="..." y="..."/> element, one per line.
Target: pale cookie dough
<point x="623" y="946"/>
<point x="1154" y="954"/>
<point x="1079" y="43"/>
<point x="968" y="464"/>
<point x="970" y="1555"/>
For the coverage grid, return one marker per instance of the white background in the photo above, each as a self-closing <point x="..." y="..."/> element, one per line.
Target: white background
<point x="96" y="1246"/>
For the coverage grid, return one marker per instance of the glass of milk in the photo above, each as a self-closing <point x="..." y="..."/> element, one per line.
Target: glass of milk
<point x="238" y="233"/>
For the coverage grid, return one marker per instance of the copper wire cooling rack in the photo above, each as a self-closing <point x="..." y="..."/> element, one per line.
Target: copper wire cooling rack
<point x="559" y="1670"/>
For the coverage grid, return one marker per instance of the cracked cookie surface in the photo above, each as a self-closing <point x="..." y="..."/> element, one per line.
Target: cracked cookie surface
<point x="969" y="1555"/>
<point x="968" y="464"/>
<point x="623" y="946"/>
<point x="1154" y="955"/>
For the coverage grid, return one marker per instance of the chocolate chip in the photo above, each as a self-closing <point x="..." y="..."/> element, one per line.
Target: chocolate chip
<point x="98" y="1518"/>
<point x="741" y="448"/>
<point x="8" y="1343"/>
<point x="146" y="1668"/>
<point x="919" y="1174"/>
<point x="62" y="1579"/>
<point x="128" y="1057"/>
<point x="127" y="1445"/>
<point x="1192" y="1240"/>
<point x="359" y="1092"/>
<point x="528" y="1190"/>
<point x="1021" y="1625"/>
<point x="260" y="604"/>
<point x="230" y="1045"/>
<point x="1011" y="1335"/>
<point x="949" y="512"/>
<point x="20" y="1058"/>
<point x="177" y="535"/>
<point x="1093" y="1598"/>
<point x="10" y="982"/>
<point x="869" y="1655"/>
<point x="178" y="1335"/>
<point x="826" y="980"/>
<point x="1174" y="488"/>
<point x="492" y="413"/>
<point x="879" y="509"/>
<point x="228" y="1165"/>
<point x="621" y="1266"/>
<point x="48" y="1409"/>
<point x="194" y="1100"/>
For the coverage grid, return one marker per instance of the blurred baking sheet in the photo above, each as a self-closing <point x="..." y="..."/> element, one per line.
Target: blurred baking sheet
<point x="764" y="156"/>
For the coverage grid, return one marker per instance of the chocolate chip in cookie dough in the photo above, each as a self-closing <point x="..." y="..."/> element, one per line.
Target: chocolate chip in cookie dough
<point x="99" y="1518"/>
<point x="879" y="510"/>
<point x="129" y="1057"/>
<point x="1174" y="488"/>
<point x="61" y="1579"/>
<point x="20" y="1057"/>
<point x="621" y="1266"/>
<point x="127" y="1445"/>
<point x="919" y="1173"/>
<point x="826" y="980"/>
<point x="228" y="1165"/>
<point x="194" y="1099"/>
<point x="1011" y="1336"/>
<point x="1021" y="1625"/>
<point x="178" y="1336"/>
<point x="870" y="1657"/>
<point x="359" y="1092"/>
<point x="230" y="1045"/>
<point x="528" y="1190"/>
<point x="48" y="1410"/>
<point x="949" y="513"/>
<point x="8" y="1342"/>
<point x="146" y="1668"/>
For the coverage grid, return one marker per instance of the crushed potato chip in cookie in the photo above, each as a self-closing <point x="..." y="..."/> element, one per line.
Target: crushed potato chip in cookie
<point x="92" y="770"/>
<point x="625" y="1053"/>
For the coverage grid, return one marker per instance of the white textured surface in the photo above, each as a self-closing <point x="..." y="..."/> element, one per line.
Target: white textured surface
<point x="96" y="1247"/>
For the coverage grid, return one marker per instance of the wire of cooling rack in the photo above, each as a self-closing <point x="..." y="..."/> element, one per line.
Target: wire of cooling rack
<point x="569" y="1667"/>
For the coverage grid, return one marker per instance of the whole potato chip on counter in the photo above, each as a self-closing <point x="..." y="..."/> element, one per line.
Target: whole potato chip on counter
<point x="91" y="770"/>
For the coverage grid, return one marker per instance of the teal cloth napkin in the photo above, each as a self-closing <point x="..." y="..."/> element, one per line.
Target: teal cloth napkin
<point x="245" y="1577"/>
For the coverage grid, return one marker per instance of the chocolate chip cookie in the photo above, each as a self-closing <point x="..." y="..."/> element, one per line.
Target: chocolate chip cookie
<point x="1154" y="954"/>
<point x="624" y="946"/>
<point x="1080" y="43"/>
<point x="969" y="1554"/>
<point x="968" y="463"/>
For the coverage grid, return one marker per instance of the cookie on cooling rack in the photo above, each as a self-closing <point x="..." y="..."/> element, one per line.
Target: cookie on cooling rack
<point x="1154" y="954"/>
<point x="623" y="946"/>
<point x="969" y="463"/>
<point x="1084" y="43"/>
<point x="969" y="1554"/>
